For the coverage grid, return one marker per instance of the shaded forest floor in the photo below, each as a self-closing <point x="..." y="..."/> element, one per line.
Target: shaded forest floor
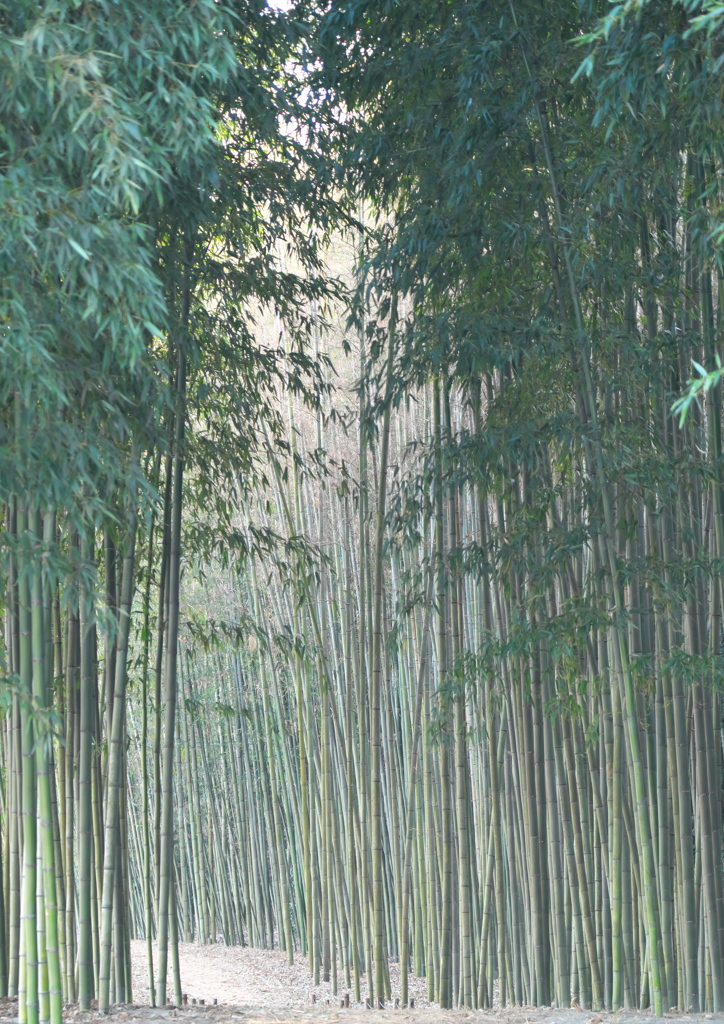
<point x="326" y="1015"/>
<point x="255" y="986"/>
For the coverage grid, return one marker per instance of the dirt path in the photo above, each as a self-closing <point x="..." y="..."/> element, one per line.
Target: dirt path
<point x="240" y="976"/>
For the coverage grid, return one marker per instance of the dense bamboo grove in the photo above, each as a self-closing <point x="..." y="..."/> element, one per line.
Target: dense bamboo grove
<point x="511" y="846"/>
<point x="367" y="606"/>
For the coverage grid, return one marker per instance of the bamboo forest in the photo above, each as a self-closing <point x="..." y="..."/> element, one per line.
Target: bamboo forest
<point x="361" y="473"/>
